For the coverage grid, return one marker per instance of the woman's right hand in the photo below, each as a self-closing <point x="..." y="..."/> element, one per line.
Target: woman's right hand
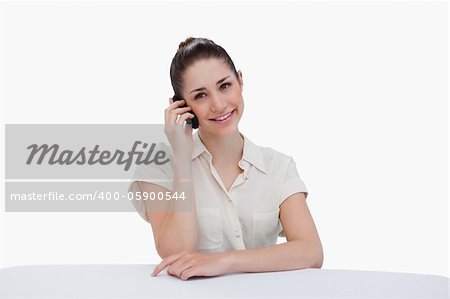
<point x="177" y="130"/>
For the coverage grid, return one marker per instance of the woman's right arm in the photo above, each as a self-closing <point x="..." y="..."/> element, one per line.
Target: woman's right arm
<point x="174" y="230"/>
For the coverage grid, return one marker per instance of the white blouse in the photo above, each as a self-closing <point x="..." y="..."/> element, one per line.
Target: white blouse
<point x="246" y="216"/>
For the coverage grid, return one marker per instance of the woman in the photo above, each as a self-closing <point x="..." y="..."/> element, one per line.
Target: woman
<point x="243" y="196"/>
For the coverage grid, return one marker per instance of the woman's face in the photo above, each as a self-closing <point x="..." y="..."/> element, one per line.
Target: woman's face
<point x="214" y="93"/>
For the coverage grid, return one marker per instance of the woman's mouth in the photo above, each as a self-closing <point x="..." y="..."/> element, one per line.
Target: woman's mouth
<point x="224" y="118"/>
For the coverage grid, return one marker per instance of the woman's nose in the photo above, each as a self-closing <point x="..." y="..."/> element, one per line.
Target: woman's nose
<point x="217" y="103"/>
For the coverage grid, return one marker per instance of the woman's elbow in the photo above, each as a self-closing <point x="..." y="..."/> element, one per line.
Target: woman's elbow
<point x="318" y="263"/>
<point x="318" y="260"/>
<point x="165" y="249"/>
<point x="309" y="254"/>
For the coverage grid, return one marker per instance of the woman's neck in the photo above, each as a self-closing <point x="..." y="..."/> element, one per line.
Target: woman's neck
<point x="224" y="149"/>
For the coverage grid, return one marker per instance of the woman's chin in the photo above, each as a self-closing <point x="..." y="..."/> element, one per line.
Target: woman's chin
<point x="223" y="131"/>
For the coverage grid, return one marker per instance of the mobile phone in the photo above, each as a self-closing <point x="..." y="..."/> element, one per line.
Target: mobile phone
<point x="193" y="121"/>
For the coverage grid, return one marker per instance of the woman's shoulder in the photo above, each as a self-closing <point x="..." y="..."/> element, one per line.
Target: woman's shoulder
<point x="273" y="154"/>
<point x="274" y="159"/>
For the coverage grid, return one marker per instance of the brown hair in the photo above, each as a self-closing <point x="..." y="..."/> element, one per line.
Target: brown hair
<point x="191" y="50"/>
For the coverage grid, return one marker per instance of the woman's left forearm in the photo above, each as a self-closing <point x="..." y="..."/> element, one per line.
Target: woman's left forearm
<point x="296" y="254"/>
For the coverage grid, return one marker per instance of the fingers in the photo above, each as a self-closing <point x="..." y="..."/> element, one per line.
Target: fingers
<point x="185" y="265"/>
<point x="170" y="273"/>
<point x="166" y="262"/>
<point x="184" y="116"/>
<point x="174" y="104"/>
<point x="172" y="112"/>
<point x="188" y="273"/>
<point x="180" y="265"/>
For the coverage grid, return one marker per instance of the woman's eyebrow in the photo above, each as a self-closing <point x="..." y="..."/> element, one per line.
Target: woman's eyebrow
<point x="218" y="82"/>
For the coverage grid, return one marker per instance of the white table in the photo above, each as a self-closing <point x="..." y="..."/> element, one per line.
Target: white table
<point x="134" y="281"/>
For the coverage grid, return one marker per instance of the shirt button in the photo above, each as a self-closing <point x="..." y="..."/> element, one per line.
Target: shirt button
<point x="237" y="234"/>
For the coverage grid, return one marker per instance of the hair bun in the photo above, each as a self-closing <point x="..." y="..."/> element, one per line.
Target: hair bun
<point x="186" y="42"/>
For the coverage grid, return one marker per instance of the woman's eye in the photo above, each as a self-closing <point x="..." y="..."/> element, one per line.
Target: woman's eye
<point x="223" y="86"/>
<point x="226" y="84"/>
<point x="198" y="96"/>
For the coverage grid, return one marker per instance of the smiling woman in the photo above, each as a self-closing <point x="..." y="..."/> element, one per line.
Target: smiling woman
<point x="243" y="196"/>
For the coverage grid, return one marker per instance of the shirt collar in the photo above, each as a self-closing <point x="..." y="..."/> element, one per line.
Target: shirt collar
<point x="252" y="152"/>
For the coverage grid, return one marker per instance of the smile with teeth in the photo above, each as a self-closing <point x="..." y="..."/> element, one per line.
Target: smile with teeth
<point x="224" y="117"/>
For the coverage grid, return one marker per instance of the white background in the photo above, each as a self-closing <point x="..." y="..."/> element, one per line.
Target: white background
<point x="356" y="92"/>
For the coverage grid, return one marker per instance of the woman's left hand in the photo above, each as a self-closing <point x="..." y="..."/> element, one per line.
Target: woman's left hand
<point x="186" y="264"/>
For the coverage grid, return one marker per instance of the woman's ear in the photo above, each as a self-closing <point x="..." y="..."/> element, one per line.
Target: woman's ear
<point x="241" y="81"/>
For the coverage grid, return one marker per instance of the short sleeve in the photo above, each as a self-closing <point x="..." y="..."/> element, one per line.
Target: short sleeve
<point x="161" y="175"/>
<point x="292" y="182"/>
<point x="139" y="205"/>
